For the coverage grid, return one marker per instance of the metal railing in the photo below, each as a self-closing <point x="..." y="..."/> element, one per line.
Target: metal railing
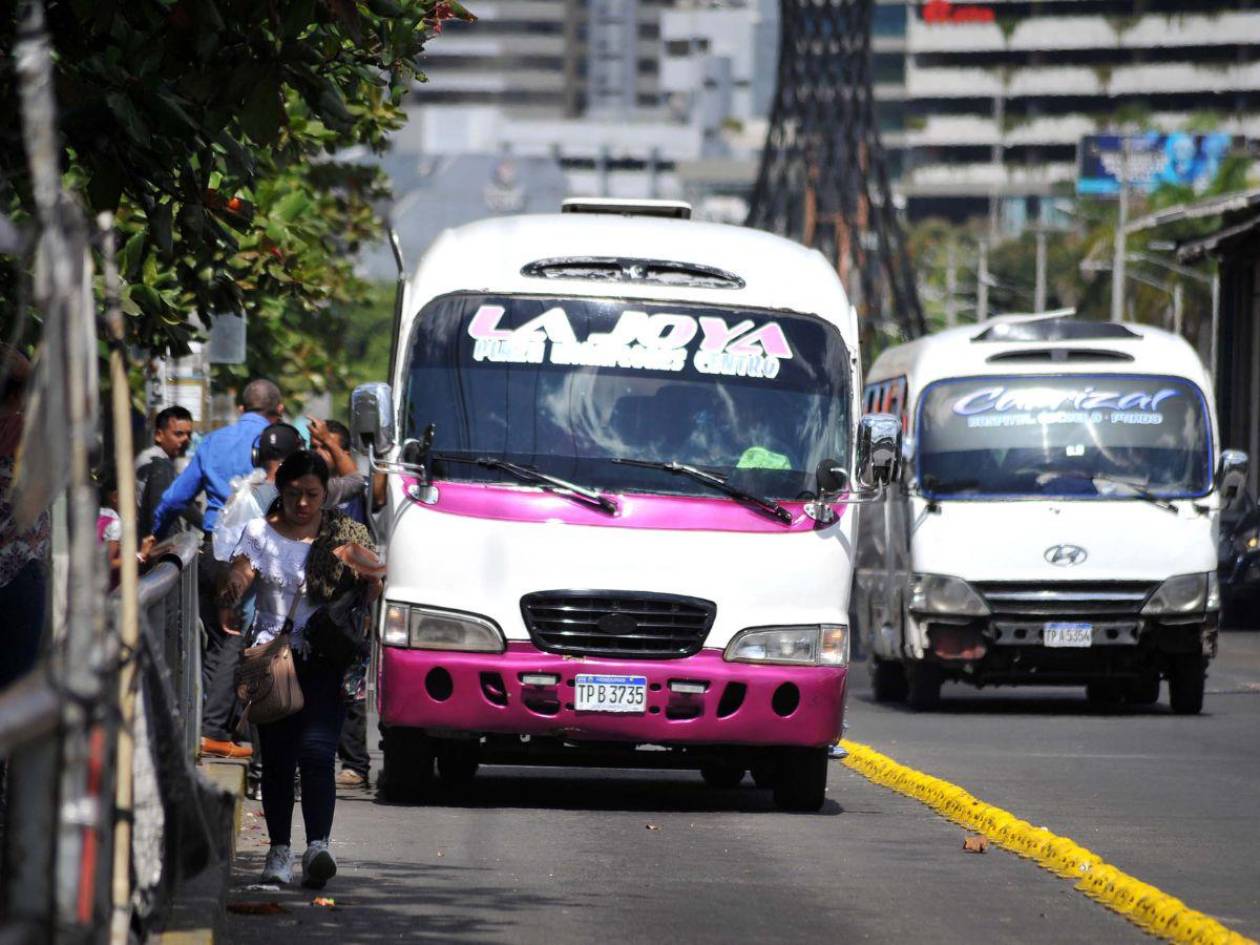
<point x="60" y="751"/>
<point x="169" y="621"/>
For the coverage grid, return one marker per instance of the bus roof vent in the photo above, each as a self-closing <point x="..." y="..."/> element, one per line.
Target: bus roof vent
<point x="618" y="269"/>
<point x="670" y="209"/>
<point x="1056" y="329"/>
<point x="1059" y="355"/>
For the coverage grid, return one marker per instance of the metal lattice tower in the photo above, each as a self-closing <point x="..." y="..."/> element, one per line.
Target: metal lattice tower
<point x="824" y="179"/>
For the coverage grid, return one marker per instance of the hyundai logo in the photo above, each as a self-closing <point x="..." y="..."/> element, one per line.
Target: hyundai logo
<point x="1065" y="556"/>
<point x="616" y="624"/>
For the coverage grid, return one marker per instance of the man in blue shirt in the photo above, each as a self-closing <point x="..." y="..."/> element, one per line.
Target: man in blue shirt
<point x="222" y="456"/>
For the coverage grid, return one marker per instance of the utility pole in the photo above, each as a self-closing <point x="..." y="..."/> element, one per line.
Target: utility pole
<point x="951" y="284"/>
<point x="1122" y="221"/>
<point x="1039" y="299"/>
<point x="1177" y="307"/>
<point x="982" y="283"/>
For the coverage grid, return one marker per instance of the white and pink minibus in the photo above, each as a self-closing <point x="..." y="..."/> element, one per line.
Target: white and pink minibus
<point x="623" y="455"/>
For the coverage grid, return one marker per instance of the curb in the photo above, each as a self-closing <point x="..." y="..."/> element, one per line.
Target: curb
<point x="1150" y="909"/>
<point x="200" y="904"/>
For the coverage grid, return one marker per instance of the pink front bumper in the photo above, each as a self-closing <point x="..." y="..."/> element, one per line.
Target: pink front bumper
<point x="483" y="693"/>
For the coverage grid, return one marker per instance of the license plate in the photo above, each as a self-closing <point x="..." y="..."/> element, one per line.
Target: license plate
<point x="610" y="693"/>
<point x="1068" y="634"/>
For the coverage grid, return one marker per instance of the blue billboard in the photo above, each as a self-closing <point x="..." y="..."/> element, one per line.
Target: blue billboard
<point x="1154" y="159"/>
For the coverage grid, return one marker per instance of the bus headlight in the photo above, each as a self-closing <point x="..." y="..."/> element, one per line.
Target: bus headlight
<point x="1183" y="594"/>
<point x="825" y="645"/>
<point x="427" y="628"/>
<point x="942" y="594"/>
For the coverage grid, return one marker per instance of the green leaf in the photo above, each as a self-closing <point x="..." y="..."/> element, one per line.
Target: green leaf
<point x="297" y="17"/>
<point x="385" y="7"/>
<point x="171" y="112"/>
<point x="191" y="219"/>
<point x="148" y="299"/>
<point x="333" y="107"/>
<point x="130" y="257"/>
<point x="292" y="206"/>
<point x="125" y="111"/>
<point x="460" y="12"/>
<point x="105" y="186"/>
<point x="263" y="112"/>
<point x="160" y="227"/>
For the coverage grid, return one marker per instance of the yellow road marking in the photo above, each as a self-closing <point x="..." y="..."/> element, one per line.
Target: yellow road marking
<point x="1149" y="908"/>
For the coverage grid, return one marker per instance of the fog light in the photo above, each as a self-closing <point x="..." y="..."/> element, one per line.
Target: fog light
<point x="540" y="679"/>
<point x="688" y="686"/>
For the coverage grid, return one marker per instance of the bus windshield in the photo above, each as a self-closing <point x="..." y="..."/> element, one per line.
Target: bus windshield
<point x="1072" y="435"/>
<point x="566" y="385"/>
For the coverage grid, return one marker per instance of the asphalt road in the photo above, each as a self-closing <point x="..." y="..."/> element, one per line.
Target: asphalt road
<point x="535" y="855"/>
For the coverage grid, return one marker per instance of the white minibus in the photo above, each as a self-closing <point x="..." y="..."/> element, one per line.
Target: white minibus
<point x="622" y="447"/>
<point x="1056" y="519"/>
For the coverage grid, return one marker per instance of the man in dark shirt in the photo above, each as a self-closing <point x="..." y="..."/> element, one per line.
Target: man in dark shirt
<point x="155" y="467"/>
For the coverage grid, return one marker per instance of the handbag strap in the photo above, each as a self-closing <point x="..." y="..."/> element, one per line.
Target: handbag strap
<point x="297" y="596"/>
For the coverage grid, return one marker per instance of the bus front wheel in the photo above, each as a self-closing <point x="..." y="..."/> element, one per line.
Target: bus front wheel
<point x="801" y="785"/>
<point x="407" y="772"/>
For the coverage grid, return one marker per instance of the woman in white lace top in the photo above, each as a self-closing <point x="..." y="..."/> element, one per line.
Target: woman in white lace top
<point x="288" y="557"/>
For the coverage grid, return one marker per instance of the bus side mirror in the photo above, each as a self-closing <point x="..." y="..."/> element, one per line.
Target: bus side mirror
<point x="372" y="418"/>
<point x="878" y="450"/>
<point x="1232" y="475"/>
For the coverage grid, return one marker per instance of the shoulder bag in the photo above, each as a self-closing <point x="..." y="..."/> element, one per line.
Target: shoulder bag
<point x="266" y="678"/>
<point x="338" y="631"/>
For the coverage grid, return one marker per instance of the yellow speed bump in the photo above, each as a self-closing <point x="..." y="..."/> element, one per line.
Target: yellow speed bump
<point x="1154" y="911"/>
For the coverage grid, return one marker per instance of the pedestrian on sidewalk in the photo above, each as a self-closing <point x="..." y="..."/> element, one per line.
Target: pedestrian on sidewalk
<point x="155" y="467"/>
<point x="23" y="552"/>
<point x="222" y="456"/>
<point x="109" y="527"/>
<point x="251" y="498"/>
<point x="349" y="490"/>
<point x="348" y="493"/>
<point x="291" y="556"/>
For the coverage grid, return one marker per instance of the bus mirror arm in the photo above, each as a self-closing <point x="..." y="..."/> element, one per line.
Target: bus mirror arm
<point x="416" y="461"/>
<point x="834" y="489"/>
<point x="1232" y="474"/>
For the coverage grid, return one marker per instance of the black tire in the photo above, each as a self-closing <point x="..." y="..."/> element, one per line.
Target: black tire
<point x="723" y="777"/>
<point x="407" y="773"/>
<point x="764" y="774"/>
<point x="802" y="782"/>
<point x="457" y="762"/>
<point x="888" y="681"/>
<point x="1143" y="691"/>
<point x="923" y="686"/>
<point x="1187" y="674"/>
<point x="1104" y="692"/>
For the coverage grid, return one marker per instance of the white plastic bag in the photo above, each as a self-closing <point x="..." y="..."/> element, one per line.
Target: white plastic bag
<point x="251" y="496"/>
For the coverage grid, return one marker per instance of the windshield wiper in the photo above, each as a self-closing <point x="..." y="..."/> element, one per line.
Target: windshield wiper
<point x="768" y="506"/>
<point x="561" y="486"/>
<point x="1139" y="491"/>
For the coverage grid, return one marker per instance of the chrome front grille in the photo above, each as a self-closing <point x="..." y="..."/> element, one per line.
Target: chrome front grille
<point x="617" y="623"/>
<point x="1066" y="600"/>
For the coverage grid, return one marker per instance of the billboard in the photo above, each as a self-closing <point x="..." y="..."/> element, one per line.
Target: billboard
<point x="1190" y="160"/>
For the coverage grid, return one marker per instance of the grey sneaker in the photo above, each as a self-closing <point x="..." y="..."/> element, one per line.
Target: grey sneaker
<point x="318" y="865"/>
<point x="279" y="865"/>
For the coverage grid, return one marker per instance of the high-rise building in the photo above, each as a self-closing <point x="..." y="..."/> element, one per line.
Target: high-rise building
<point x="598" y="86"/>
<point x="523" y="55"/>
<point x="995" y="96"/>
